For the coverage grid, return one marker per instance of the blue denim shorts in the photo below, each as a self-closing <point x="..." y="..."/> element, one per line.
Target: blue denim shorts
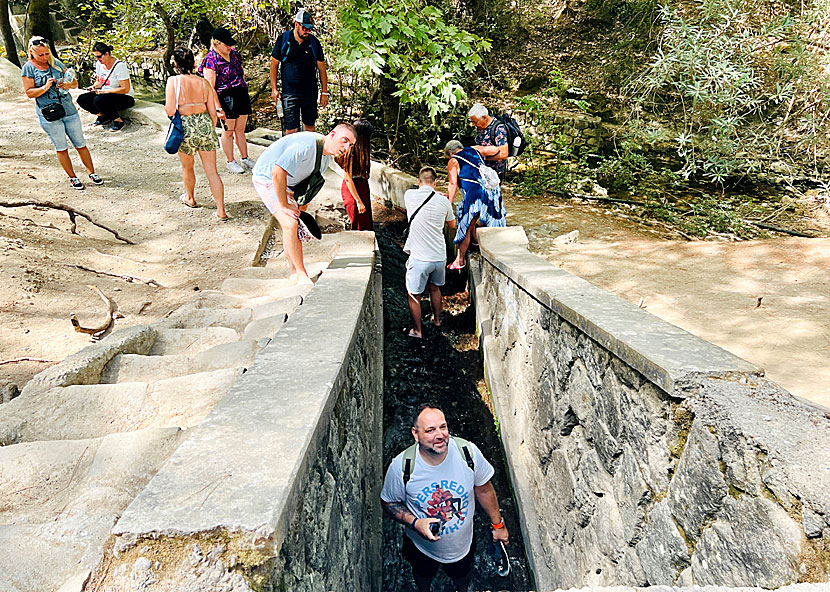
<point x="419" y="273"/>
<point x="65" y="126"/>
<point x="299" y="105"/>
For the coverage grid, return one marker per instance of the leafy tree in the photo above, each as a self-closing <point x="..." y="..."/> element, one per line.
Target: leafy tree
<point x="420" y="59"/>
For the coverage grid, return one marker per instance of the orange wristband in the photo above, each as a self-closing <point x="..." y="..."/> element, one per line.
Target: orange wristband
<point x="498" y="526"/>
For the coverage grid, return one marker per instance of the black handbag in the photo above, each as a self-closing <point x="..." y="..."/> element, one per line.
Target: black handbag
<point x="53" y="111"/>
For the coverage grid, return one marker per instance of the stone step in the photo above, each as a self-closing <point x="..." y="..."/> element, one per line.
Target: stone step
<point x="253" y="288"/>
<point x="265" y="328"/>
<point x="109" y="408"/>
<point x="189" y="318"/>
<point x="262" y="273"/>
<point x="283" y="306"/>
<point x="278" y="296"/>
<point x="61" y="498"/>
<point x="191" y="341"/>
<point x="137" y="368"/>
<point x="211" y="299"/>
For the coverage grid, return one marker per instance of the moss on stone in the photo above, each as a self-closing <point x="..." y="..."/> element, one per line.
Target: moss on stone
<point x="683" y="419"/>
<point x="815" y="558"/>
<point x="252" y="561"/>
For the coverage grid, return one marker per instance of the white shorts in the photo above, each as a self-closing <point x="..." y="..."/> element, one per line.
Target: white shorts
<point x="266" y="192"/>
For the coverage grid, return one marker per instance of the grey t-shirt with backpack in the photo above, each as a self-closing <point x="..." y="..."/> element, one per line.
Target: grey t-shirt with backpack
<point x="444" y="491"/>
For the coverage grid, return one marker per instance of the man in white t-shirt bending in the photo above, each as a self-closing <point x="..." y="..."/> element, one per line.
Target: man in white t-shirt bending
<point x="281" y="169"/>
<point x="428" y="488"/>
<point x="427" y="212"/>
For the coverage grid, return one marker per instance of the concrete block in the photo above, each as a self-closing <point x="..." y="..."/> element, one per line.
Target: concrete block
<point x="191" y="341"/>
<point x="85" y="366"/>
<point x="284" y="294"/>
<point x="211" y="299"/>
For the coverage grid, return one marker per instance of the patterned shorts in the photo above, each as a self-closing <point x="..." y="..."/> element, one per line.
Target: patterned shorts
<point x="199" y="134"/>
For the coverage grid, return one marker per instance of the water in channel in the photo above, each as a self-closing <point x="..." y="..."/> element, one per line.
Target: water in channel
<point x="444" y="367"/>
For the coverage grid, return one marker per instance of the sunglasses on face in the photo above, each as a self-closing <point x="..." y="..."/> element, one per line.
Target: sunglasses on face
<point x="97" y="57"/>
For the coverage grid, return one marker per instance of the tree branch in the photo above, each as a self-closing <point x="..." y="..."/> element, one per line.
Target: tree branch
<point x="72" y="212"/>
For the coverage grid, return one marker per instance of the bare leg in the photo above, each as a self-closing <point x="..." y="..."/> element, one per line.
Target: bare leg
<point x="415" y="311"/>
<point x="308" y="128"/>
<point x="188" y="176"/>
<point x="292" y="131"/>
<point x="437" y="303"/>
<point x="86" y="158"/>
<point x="66" y="162"/>
<point x="217" y="188"/>
<point x="292" y="245"/>
<point x="226" y="139"/>
<point x="463" y="246"/>
<point x="239" y="136"/>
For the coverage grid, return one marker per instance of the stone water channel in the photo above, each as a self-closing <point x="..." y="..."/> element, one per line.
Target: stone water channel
<point x="444" y="368"/>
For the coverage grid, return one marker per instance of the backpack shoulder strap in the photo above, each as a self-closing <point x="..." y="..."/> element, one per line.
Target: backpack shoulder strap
<point x="464" y="448"/>
<point x="408" y="463"/>
<point x="286" y="44"/>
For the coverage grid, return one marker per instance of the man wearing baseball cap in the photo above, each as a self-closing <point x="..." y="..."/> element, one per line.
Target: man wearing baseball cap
<point x="299" y="56"/>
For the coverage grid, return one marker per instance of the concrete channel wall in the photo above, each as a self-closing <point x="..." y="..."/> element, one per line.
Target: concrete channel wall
<point x="640" y="454"/>
<point x="278" y="486"/>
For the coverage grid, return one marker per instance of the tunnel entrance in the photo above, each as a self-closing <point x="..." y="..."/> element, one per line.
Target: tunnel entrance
<point x="444" y="367"/>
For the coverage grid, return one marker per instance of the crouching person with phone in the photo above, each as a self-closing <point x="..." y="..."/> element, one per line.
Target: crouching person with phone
<point x="429" y="488"/>
<point x="43" y="80"/>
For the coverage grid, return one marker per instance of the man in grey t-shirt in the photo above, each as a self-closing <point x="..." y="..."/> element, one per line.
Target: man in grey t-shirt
<point x="434" y="499"/>
<point x="426" y="247"/>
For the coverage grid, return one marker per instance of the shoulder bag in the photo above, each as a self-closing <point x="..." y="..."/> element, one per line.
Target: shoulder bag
<point x="305" y="190"/>
<point x="53" y="111"/>
<point x="175" y="132"/>
<point x="415" y="213"/>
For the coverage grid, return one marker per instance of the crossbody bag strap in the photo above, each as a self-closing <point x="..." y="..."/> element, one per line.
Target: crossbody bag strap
<point x="107" y="79"/>
<point x="409" y="222"/>
<point x="319" y="157"/>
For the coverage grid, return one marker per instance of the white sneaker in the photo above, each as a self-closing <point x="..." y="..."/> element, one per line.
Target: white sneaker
<point x="248" y="163"/>
<point x="235" y="167"/>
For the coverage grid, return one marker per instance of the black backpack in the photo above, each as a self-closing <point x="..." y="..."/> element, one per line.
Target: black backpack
<point x="515" y="138"/>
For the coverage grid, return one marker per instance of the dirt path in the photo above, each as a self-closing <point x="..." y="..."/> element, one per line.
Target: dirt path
<point x="182" y="249"/>
<point x="709" y="288"/>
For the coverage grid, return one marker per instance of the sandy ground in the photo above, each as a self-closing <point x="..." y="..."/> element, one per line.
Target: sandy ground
<point x="767" y="301"/>
<point x="182" y="249"/>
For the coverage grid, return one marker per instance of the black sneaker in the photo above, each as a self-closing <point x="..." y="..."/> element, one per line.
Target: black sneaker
<point x="117" y="126"/>
<point x="100" y="121"/>
<point x="75" y="182"/>
<point x="96" y="179"/>
<point x="500" y="558"/>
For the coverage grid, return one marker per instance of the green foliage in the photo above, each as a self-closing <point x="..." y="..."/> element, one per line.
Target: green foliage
<point x="409" y="42"/>
<point x="740" y="83"/>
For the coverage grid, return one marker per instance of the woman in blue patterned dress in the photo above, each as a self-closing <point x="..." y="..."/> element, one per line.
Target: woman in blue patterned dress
<point x="479" y="205"/>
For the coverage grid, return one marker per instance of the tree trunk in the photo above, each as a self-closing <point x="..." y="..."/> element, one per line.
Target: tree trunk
<point x="8" y="36"/>
<point x="39" y="23"/>
<point x="171" y="38"/>
<point x="390" y="105"/>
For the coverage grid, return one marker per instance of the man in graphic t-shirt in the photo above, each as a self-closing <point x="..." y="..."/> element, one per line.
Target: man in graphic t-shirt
<point x="300" y="56"/>
<point x="439" y="490"/>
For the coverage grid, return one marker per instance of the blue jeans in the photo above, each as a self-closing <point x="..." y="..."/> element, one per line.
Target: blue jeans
<point x="65" y="126"/>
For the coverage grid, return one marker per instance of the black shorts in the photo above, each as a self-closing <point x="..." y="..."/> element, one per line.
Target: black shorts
<point x="294" y="105"/>
<point x="235" y="102"/>
<point x="425" y="568"/>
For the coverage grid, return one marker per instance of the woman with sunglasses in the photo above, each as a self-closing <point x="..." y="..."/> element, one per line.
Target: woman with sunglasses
<point x="43" y="81"/>
<point x="222" y="67"/>
<point x="111" y="92"/>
